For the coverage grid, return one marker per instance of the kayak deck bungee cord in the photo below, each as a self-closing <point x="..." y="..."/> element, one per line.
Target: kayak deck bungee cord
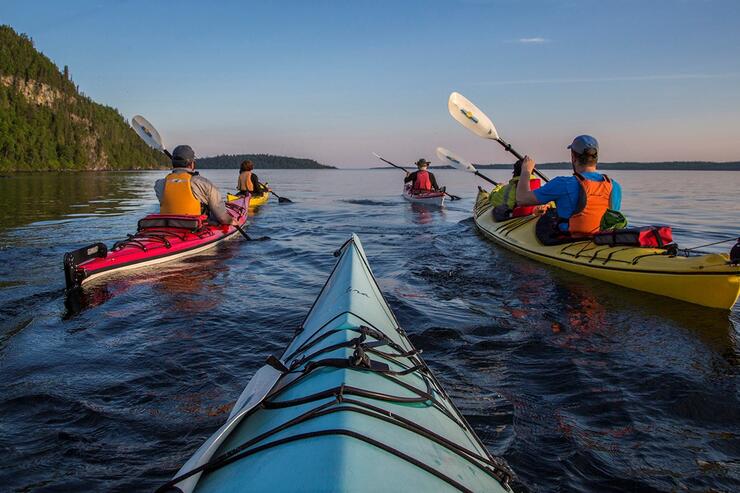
<point x="711" y="279"/>
<point x="350" y="406"/>
<point x="159" y="238"/>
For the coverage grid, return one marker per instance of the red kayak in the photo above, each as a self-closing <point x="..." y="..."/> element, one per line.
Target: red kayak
<point x="160" y="238"/>
<point x="428" y="198"/>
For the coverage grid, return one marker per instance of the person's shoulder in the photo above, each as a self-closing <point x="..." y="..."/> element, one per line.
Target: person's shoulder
<point x="560" y="181"/>
<point x="200" y="179"/>
<point x="612" y="180"/>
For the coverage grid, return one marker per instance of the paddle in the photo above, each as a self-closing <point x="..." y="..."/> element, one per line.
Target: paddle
<point x="459" y="163"/>
<point x="151" y="137"/>
<point x="149" y="134"/>
<point x="452" y="197"/>
<point x="472" y="118"/>
<point x="281" y="200"/>
<point x="249" y="238"/>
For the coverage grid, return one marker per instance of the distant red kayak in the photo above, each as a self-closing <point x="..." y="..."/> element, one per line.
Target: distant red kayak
<point x="160" y="238"/>
<point x="429" y="198"/>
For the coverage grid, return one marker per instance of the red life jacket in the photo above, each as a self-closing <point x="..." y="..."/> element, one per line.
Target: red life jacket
<point x="525" y="210"/>
<point x="422" y="183"/>
<point x="593" y="203"/>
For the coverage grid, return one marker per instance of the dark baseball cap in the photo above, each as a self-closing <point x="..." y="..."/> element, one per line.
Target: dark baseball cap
<point x="182" y="155"/>
<point x="584" y="143"/>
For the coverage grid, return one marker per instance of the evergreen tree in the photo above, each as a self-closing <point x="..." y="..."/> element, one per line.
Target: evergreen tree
<point x="69" y="132"/>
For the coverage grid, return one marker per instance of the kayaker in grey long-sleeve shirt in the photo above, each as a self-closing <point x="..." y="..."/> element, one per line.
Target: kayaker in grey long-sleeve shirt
<point x="183" y="191"/>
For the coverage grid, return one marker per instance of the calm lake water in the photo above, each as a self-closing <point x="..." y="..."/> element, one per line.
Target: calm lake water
<point x="579" y="385"/>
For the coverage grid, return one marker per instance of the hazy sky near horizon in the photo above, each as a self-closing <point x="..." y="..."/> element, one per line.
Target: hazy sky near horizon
<point x="653" y="80"/>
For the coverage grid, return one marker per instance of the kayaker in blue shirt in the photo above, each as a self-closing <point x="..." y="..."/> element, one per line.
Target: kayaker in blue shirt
<point x="582" y="199"/>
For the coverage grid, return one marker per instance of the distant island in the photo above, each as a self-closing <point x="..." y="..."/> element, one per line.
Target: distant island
<point x="261" y="161"/>
<point x="46" y="123"/>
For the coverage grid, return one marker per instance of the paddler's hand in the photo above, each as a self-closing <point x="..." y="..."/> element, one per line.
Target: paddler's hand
<point x="528" y="164"/>
<point x="407" y="173"/>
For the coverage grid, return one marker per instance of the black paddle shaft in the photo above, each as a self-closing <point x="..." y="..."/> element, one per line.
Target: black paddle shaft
<point x="507" y="147"/>
<point x="478" y="173"/>
<point x="281" y="199"/>
<point x="394" y="165"/>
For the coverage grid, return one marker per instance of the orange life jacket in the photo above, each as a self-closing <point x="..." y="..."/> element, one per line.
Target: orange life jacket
<point x="592" y="204"/>
<point x="177" y="196"/>
<point x="245" y="179"/>
<point x="422" y="183"/>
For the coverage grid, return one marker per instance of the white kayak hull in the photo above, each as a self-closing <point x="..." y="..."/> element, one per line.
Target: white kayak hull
<point x="429" y="198"/>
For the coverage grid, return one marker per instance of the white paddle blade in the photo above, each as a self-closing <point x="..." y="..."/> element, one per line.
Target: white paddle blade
<point x="147" y="132"/>
<point x="450" y="158"/>
<point x="470" y="117"/>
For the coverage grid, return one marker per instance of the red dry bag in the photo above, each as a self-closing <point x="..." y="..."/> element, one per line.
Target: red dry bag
<point x="645" y="236"/>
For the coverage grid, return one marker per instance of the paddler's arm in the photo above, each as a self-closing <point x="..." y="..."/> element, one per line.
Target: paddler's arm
<point x="434" y="181"/>
<point x="159" y="188"/>
<point x="208" y="194"/>
<point x="524" y="195"/>
<point x="409" y="177"/>
<point x="239" y="182"/>
<point x="615" y="201"/>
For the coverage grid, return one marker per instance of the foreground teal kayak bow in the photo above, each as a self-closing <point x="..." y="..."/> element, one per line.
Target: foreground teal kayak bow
<point x="350" y="406"/>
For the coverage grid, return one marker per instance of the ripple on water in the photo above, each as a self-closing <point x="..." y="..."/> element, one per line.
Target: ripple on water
<point x="579" y="385"/>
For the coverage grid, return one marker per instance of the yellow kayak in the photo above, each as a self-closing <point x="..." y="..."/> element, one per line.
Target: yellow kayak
<point x="254" y="202"/>
<point x="708" y="280"/>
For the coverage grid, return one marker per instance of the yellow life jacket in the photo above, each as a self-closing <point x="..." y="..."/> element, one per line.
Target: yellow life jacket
<point x="506" y="194"/>
<point x="177" y="196"/>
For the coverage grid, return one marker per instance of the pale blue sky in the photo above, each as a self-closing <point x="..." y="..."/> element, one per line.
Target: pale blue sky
<point x="336" y="80"/>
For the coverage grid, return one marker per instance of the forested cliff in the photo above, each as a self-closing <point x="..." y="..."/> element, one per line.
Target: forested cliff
<point x="47" y="124"/>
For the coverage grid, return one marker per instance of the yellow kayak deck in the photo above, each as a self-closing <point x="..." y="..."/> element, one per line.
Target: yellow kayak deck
<point x="708" y="280"/>
<point x="254" y="202"/>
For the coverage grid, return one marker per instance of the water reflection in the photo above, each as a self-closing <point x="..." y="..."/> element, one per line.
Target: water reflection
<point x="34" y="197"/>
<point x="425" y="214"/>
<point x="576" y="382"/>
<point x="177" y="285"/>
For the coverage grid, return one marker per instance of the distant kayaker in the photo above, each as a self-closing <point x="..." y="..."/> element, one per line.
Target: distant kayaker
<point x="581" y="200"/>
<point x="421" y="180"/>
<point x="503" y="197"/>
<point x="248" y="181"/>
<point x="185" y="192"/>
